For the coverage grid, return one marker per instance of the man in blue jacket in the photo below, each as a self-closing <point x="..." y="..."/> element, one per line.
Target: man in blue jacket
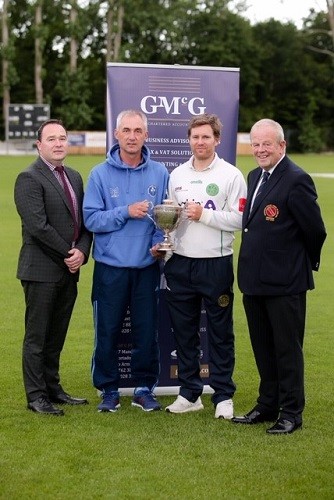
<point x="282" y="236"/>
<point x="120" y="195"/>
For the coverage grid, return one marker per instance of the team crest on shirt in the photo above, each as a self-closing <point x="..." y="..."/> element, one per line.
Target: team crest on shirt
<point x="223" y="300"/>
<point x="212" y="189"/>
<point x="271" y="212"/>
<point x="152" y="190"/>
<point x="114" y="192"/>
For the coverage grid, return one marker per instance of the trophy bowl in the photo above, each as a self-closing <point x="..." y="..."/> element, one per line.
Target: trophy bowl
<point x="167" y="217"/>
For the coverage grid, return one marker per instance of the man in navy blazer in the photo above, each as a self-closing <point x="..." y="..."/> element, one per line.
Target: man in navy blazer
<point x="282" y="236"/>
<point x="55" y="244"/>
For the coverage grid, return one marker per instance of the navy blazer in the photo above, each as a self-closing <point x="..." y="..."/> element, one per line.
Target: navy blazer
<point x="47" y="223"/>
<point x="283" y="235"/>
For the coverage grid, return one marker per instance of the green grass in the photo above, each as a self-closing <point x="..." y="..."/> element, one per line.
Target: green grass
<point x="134" y="455"/>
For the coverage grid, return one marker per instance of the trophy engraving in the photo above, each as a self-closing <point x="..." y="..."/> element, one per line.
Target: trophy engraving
<point x="167" y="217"/>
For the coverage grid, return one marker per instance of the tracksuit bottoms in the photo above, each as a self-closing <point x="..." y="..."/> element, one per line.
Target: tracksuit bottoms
<point x="115" y="289"/>
<point x="192" y="283"/>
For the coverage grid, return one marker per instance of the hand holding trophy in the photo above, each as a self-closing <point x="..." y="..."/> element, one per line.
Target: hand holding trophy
<point x="167" y="217"/>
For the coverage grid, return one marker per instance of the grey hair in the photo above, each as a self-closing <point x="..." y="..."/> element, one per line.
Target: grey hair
<point x="131" y="112"/>
<point x="270" y="123"/>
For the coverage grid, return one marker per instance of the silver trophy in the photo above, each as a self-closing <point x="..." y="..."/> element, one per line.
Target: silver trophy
<point x="167" y="217"/>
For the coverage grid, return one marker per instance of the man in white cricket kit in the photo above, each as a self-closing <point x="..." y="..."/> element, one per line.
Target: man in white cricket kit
<point x="200" y="271"/>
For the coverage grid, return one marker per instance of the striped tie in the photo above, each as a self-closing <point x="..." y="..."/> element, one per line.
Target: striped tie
<point x="265" y="177"/>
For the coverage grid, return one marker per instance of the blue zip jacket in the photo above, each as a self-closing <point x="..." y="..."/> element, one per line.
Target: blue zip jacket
<point x="119" y="240"/>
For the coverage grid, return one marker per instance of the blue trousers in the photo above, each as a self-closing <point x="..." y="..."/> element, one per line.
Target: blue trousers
<point x="191" y="283"/>
<point x="114" y="291"/>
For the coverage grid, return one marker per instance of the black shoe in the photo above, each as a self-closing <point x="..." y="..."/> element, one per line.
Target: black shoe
<point x="43" y="405"/>
<point x="62" y="398"/>
<point x="284" y="426"/>
<point x="255" y="417"/>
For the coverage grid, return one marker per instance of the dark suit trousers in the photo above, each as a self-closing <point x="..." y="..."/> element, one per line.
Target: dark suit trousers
<point x="48" y="312"/>
<point x="276" y="326"/>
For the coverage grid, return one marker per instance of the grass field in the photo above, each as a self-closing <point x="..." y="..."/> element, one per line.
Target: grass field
<point x="134" y="455"/>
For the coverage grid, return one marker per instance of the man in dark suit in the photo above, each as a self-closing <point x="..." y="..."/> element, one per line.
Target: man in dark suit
<point x="55" y="245"/>
<point x="282" y="236"/>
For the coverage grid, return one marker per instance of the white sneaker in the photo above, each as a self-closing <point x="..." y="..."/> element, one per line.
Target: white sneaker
<point x="224" y="409"/>
<point x="182" y="405"/>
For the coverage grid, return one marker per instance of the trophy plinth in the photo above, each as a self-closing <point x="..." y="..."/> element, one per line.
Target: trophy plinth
<point x="167" y="217"/>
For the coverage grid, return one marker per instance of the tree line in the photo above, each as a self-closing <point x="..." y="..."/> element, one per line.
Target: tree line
<point x="56" y="53"/>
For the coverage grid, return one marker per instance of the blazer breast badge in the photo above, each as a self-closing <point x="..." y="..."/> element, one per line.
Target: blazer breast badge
<point x="271" y="212"/>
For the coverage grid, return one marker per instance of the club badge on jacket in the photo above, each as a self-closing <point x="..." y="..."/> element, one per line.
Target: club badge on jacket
<point x="271" y="212"/>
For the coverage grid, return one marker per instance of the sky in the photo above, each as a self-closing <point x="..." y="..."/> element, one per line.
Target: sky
<point x="283" y="10"/>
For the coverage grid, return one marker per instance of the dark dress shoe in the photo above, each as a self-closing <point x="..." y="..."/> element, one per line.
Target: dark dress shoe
<point x="284" y="426"/>
<point x="65" y="399"/>
<point x="43" y="405"/>
<point x="255" y="417"/>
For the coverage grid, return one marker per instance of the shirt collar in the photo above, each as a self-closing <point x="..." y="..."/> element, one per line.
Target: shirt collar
<point x="273" y="168"/>
<point x="50" y="165"/>
<point x="209" y="167"/>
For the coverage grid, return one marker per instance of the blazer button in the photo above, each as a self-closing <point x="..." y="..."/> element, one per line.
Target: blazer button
<point x="246" y="230"/>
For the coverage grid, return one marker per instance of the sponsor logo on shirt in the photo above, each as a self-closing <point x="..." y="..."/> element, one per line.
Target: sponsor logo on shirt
<point x="242" y="204"/>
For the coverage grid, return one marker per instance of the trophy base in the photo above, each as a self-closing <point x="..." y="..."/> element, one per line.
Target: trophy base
<point x="165" y="247"/>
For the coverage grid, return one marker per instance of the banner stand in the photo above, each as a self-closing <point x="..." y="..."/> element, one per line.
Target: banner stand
<point x="160" y="391"/>
<point x="170" y="95"/>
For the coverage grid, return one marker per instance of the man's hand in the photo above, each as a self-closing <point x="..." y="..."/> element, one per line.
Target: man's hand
<point x="75" y="261"/>
<point x="193" y="210"/>
<point x="156" y="253"/>
<point x="139" y="209"/>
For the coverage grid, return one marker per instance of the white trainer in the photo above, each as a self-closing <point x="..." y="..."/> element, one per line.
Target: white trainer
<point x="182" y="405"/>
<point x="224" y="409"/>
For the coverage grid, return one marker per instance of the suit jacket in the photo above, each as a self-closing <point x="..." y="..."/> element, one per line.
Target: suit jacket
<point x="283" y="235"/>
<point x="47" y="223"/>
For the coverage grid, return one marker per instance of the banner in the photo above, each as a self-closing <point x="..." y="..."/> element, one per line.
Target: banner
<point x="170" y="96"/>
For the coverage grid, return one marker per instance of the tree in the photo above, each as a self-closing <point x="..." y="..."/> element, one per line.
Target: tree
<point x="38" y="52"/>
<point x="310" y="137"/>
<point x="74" y="94"/>
<point x="318" y="37"/>
<point x="73" y="87"/>
<point x="316" y="29"/>
<point x="72" y="40"/>
<point x="115" y="20"/>
<point x="5" y="62"/>
<point x="73" y="36"/>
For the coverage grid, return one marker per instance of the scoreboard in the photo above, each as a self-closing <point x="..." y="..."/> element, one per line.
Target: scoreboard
<point x="23" y="120"/>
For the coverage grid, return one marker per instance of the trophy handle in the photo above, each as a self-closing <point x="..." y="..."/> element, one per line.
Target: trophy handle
<point x="151" y="218"/>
